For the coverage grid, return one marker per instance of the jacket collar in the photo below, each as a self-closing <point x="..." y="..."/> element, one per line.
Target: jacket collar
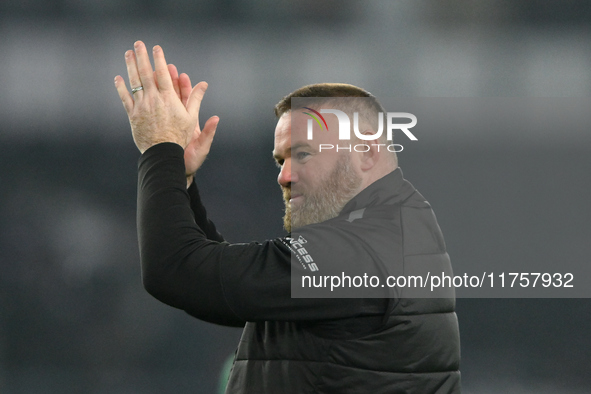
<point x="390" y="189"/>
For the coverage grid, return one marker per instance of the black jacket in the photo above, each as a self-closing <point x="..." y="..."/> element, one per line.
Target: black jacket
<point x="398" y="343"/>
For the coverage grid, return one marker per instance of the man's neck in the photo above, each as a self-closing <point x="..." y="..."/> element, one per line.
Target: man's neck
<point x="375" y="174"/>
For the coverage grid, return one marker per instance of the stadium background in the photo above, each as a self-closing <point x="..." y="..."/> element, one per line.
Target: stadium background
<point x="73" y="314"/>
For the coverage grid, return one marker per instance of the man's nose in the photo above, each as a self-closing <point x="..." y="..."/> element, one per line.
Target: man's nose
<point x="285" y="175"/>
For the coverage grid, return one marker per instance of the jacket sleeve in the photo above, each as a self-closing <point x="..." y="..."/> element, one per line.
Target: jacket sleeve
<point x="200" y="215"/>
<point x="186" y="264"/>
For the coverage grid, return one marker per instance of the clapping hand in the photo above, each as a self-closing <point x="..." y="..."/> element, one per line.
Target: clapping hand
<point x="163" y="107"/>
<point x="201" y="140"/>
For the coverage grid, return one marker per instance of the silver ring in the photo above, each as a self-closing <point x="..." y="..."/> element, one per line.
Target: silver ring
<point x="134" y="90"/>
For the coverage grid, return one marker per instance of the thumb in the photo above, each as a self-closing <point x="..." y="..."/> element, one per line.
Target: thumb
<point x="208" y="132"/>
<point x="195" y="98"/>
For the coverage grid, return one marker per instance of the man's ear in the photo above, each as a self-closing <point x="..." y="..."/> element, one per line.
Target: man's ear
<point x="371" y="151"/>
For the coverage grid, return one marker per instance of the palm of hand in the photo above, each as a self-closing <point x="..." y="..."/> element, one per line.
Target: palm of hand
<point x="195" y="152"/>
<point x="200" y="141"/>
<point x="166" y="108"/>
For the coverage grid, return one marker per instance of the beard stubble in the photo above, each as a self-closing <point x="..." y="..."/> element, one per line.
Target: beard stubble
<point x="326" y="201"/>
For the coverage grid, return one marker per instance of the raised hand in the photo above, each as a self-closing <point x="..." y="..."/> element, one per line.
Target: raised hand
<point x="156" y="113"/>
<point x="200" y="144"/>
<point x="201" y="140"/>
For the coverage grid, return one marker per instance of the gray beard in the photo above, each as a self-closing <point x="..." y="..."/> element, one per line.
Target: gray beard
<point x="325" y="203"/>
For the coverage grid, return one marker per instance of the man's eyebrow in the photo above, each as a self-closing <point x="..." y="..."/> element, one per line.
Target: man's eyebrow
<point x="279" y="157"/>
<point x="299" y="145"/>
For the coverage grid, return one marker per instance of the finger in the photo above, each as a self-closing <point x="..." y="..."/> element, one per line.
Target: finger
<point x="174" y="75"/>
<point x="207" y="134"/>
<point x="211" y="125"/>
<point x="162" y="72"/>
<point x="195" y="98"/>
<point x="144" y="67"/>
<point x="124" y="94"/>
<point x="185" y="86"/>
<point x="132" y="71"/>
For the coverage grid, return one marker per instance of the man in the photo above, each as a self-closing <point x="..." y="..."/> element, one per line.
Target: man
<point x="347" y="210"/>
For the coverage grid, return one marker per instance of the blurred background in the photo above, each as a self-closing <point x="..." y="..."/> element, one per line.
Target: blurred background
<point x="74" y="317"/>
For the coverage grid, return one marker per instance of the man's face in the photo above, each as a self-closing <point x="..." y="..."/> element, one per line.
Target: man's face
<point x="316" y="184"/>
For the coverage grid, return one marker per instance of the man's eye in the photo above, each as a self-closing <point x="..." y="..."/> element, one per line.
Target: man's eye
<point x="302" y="155"/>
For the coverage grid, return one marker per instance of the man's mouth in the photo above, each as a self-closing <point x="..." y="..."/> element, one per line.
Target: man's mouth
<point x="290" y="196"/>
